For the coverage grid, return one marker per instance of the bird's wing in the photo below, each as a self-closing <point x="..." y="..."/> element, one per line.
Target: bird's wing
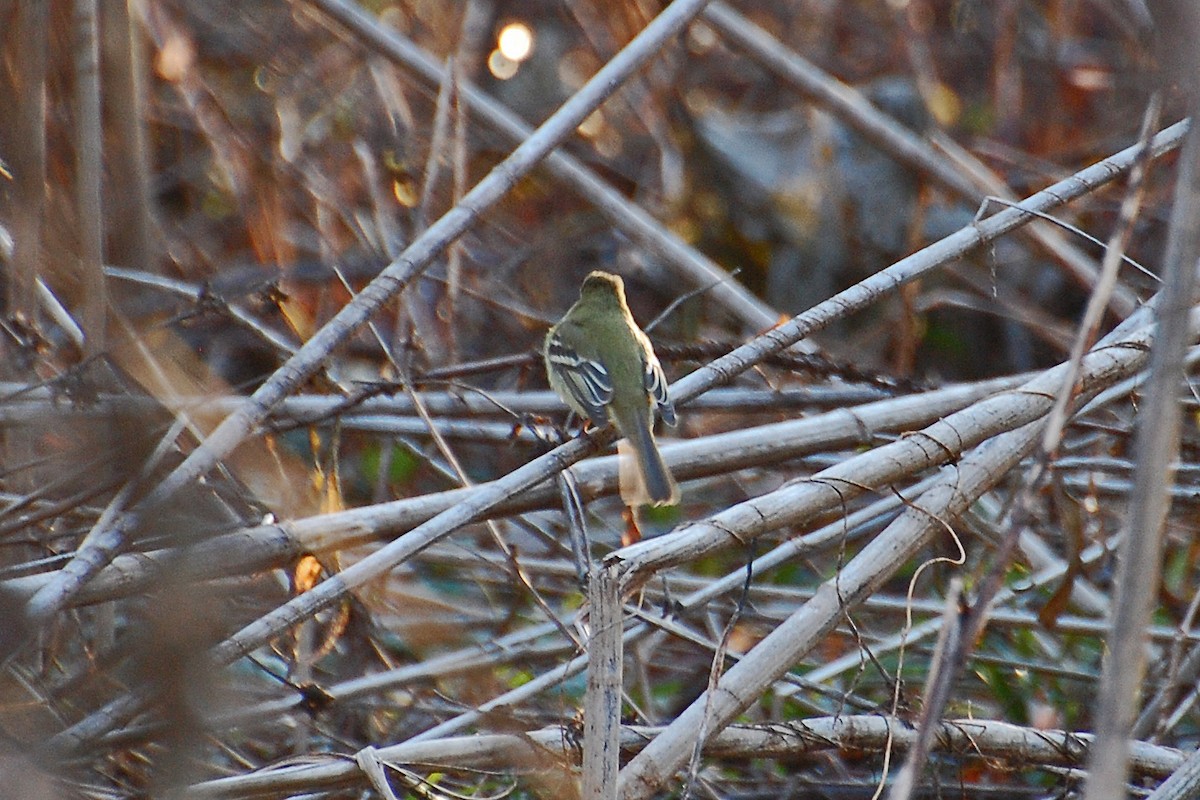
<point x="585" y="379"/>
<point x="656" y="384"/>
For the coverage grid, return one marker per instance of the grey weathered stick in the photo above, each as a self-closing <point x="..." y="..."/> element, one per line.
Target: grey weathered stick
<point x="20" y="402"/>
<point x="130" y="202"/>
<point x="28" y="159"/>
<point x="1043" y="578"/>
<point x="989" y="739"/>
<point x="934" y="696"/>
<point x="602" y="707"/>
<point x="1155" y="708"/>
<point x="1093" y="315"/>
<point x="196" y="293"/>
<point x="416" y="258"/>
<point x="89" y="219"/>
<point x="1184" y="782"/>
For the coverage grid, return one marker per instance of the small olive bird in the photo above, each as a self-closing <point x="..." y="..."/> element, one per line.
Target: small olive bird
<point x="602" y="365"/>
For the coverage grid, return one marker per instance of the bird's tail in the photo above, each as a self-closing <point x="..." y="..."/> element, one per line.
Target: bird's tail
<point x="643" y="477"/>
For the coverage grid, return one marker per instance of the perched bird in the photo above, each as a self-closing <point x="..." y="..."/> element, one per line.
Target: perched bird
<point x="602" y="365"/>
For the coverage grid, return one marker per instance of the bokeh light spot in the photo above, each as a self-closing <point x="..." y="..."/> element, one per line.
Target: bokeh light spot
<point x="515" y="41"/>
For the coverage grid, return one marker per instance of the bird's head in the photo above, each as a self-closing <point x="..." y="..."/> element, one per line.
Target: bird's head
<point x="600" y="286"/>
